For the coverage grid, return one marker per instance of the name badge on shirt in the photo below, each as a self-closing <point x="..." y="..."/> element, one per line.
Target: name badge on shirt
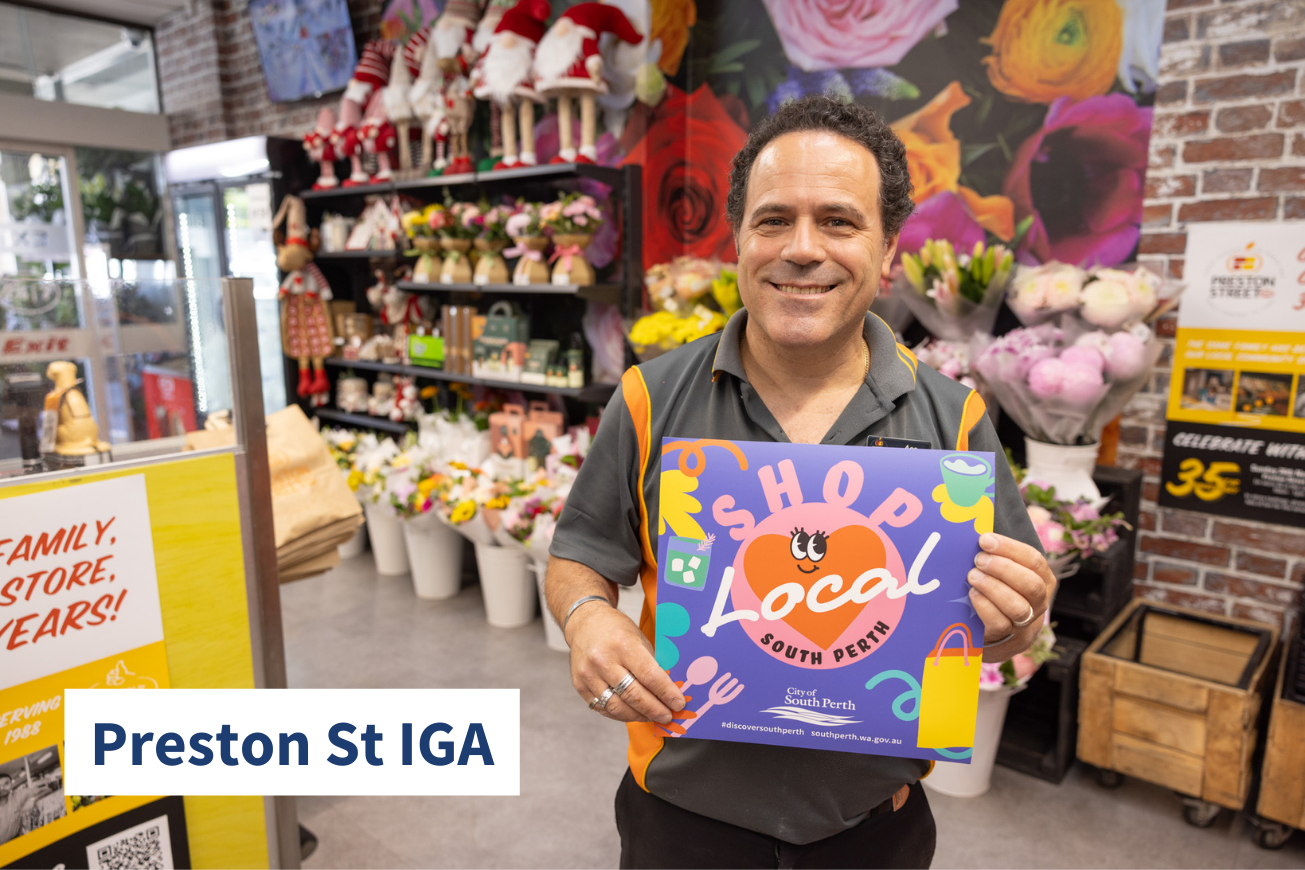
<point x="885" y="441"/>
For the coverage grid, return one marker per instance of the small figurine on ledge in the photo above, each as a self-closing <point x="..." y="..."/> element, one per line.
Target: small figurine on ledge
<point x="306" y="332"/>
<point x="503" y="76"/>
<point x="568" y="65"/>
<point x="77" y="433"/>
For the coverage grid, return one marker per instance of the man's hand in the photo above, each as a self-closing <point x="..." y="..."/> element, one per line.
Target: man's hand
<point x="1008" y="579"/>
<point x="605" y="646"/>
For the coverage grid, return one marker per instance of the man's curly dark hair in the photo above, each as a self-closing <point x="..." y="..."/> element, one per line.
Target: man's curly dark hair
<point x="859" y="123"/>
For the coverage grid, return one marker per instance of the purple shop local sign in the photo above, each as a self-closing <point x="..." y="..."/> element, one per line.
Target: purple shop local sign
<point x="816" y="595"/>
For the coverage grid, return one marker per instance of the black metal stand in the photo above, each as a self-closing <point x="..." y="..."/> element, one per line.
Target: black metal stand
<point x="1041" y="729"/>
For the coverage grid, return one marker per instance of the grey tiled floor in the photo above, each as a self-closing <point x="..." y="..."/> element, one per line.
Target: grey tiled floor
<point x="352" y="628"/>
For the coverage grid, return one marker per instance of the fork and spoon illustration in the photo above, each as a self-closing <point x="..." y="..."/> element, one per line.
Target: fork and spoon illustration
<point x="699" y="673"/>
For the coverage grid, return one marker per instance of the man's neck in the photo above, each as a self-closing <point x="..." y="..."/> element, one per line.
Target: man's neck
<point x="836" y="364"/>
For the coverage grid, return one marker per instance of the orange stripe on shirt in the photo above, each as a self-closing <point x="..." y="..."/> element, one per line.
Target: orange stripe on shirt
<point x="971" y="414"/>
<point x="645" y="739"/>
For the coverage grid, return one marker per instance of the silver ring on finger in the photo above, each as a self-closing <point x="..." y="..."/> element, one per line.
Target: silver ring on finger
<point x="626" y="682"/>
<point x="593" y="703"/>
<point x="1024" y="623"/>
<point x="605" y="697"/>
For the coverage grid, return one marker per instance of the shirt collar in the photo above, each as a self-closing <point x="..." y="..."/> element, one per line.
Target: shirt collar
<point x="892" y="365"/>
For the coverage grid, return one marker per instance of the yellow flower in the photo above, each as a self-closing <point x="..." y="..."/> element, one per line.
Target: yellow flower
<point x="671" y="20"/>
<point x="429" y="392"/>
<point x="355" y="480"/>
<point x="463" y="512"/>
<point x="498" y="503"/>
<point x="425" y="486"/>
<point x="678" y="506"/>
<point x="1044" y="49"/>
<point x="460" y="466"/>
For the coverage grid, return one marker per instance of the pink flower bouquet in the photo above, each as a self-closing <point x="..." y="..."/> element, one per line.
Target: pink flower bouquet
<point x="1107" y="299"/>
<point x="1063" y="385"/>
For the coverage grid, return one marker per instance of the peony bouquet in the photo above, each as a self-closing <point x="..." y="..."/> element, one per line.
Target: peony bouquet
<point x="955" y="295"/>
<point x="1063" y="385"/>
<point x="1107" y="299"/>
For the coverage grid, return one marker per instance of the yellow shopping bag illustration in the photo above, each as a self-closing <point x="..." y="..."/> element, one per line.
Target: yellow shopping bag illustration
<point x="949" y="692"/>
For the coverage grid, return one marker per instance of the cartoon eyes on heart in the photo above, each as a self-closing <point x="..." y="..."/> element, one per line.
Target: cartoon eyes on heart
<point x="804" y="546"/>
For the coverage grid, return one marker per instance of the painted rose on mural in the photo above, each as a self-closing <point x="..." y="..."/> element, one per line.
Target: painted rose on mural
<point x="838" y="34"/>
<point x="1045" y="49"/>
<point x="1080" y="178"/>
<point x="686" y="154"/>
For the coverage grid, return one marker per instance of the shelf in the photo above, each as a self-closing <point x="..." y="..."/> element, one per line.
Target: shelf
<point x="366" y="421"/>
<point x="390" y="254"/>
<point x="607" y="175"/>
<point x="598" y="292"/>
<point x="588" y="393"/>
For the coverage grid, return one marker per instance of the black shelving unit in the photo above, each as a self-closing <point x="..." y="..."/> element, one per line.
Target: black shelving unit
<point x="555" y="310"/>
<point x="1041" y="731"/>
<point x="596" y="393"/>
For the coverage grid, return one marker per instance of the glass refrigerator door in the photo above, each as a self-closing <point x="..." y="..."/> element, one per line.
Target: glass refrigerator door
<point x="251" y="254"/>
<point x="199" y="247"/>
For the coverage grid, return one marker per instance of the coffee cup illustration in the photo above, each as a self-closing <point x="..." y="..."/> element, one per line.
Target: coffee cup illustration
<point x="967" y="478"/>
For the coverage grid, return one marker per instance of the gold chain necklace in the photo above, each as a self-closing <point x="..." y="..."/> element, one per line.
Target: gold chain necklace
<point x="866" y="373"/>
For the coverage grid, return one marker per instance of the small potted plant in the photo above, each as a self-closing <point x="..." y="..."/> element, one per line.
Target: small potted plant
<point x="493" y="238"/>
<point x="527" y="232"/>
<point x="422" y="228"/>
<point x="572" y="220"/>
<point x="457" y="231"/>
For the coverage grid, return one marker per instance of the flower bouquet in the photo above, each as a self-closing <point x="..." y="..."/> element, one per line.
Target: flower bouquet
<point x="422" y="229"/>
<point x="572" y="221"/>
<point x="457" y="229"/>
<point x="680" y="293"/>
<point x="955" y="295"/>
<point x="526" y="230"/>
<point x="463" y="502"/>
<point x="493" y="238"/>
<point x="1107" y="299"/>
<point x="948" y="358"/>
<point x="1015" y="673"/>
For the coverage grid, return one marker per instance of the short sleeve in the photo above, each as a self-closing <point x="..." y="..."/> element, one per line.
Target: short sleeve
<point x="1012" y="518"/>
<point x="599" y="525"/>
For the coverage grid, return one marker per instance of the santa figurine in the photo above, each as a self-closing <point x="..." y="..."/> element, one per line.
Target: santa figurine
<point x="569" y="65"/>
<point x="378" y="136"/>
<point x="317" y="142"/>
<point x="451" y="41"/>
<point x="485" y="30"/>
<point x="427" y="100"/>
<point x="398" y="104"/>
<point x="503" y="76"/>
<point x="305" y="319"/>
<point x="371" y="73"/>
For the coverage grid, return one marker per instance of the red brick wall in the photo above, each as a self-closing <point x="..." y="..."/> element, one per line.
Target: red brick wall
<point x="212" y="79"/>
<point x="1228" y="144"/>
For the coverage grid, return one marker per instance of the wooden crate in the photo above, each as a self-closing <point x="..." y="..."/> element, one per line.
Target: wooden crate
<point x="1282" y="778"/>
<point x="1171" y="696"/>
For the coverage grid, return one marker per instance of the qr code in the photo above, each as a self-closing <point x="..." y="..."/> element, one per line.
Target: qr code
<point x="147" y="846"/>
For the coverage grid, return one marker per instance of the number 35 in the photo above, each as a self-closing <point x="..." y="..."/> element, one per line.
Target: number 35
<point x="1209" y="485"/>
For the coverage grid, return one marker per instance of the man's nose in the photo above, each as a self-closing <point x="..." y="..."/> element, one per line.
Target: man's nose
<point x="804" y="243"/>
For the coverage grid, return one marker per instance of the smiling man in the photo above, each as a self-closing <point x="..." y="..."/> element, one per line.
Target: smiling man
<point x="818" y="195"/>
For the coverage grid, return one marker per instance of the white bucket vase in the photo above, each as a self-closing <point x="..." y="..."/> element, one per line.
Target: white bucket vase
<point x="506" y="583"/>
<point x="553" y="635"/>
<point x="355" y="546"/>
<point x="386" y="533"/>
<point x="973" y="779"/>
<point x="1066" y="467"/>
<point x="435" y="556"/>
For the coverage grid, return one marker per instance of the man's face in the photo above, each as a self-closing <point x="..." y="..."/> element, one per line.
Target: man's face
<point x="811" y="246"/>
<point x="6" y="786"/>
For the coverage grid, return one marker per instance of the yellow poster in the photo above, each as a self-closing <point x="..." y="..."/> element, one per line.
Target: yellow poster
<point x="118" y="579"/>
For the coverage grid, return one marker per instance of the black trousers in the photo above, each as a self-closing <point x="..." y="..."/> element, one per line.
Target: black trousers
<point x="655" y="833"/>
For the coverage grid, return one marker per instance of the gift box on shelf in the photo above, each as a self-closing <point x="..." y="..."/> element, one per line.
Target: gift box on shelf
<point x="507" y="435"/>
<point x="426" y="350"/>
<point x="539" y="358"/>
<point x="499" y="353"/>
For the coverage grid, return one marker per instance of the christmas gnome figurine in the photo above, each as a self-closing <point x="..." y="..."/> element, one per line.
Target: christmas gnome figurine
<point x="427" y="100"/>
<point x="378" y="136"/>
<point x="568" y="65"/>
<point x="398" y="105"/>
<point x="451" y="40"/>
<point x="503" y="76"/>
<point x="371" y="73"/>
<point x="485" y="30"/>
<point x="317" y="142"/>
<point x="305" y="318"/>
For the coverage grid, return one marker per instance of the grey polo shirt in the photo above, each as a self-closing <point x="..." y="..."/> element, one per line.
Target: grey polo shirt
<point x="701" y="391"/>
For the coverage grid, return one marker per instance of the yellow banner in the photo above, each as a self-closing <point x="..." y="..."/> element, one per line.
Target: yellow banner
<point x="1243" y="378"/>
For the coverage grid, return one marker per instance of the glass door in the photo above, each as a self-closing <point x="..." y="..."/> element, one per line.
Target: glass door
<point x="251" y="254"/>
<point x="202" y="256"/>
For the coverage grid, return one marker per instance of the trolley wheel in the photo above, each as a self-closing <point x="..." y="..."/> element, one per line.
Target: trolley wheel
<point x="1270" y="835"/>
<point x="1199" y="813"/>
<point x="1109" y="778"/>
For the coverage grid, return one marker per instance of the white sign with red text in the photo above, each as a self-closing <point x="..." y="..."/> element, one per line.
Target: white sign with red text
<point x="77" y="578"/>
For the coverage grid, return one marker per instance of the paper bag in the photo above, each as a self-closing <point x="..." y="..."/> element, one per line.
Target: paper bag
<point x="949" y="692"/>
<point x="507" y="432"/>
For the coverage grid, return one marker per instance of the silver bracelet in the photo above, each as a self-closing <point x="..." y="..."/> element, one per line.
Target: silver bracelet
<point x="999" y="642"/>
<point x="583" y="600"/>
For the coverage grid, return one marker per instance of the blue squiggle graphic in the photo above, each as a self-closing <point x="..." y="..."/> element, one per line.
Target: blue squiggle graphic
<point x="811" y="717"/>
<point x="912" y="694"/>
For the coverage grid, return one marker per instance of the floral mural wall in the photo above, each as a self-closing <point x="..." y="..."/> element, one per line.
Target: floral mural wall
<point x="1025" y="121"/>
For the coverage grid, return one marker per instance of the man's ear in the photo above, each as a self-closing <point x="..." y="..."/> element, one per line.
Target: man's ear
<point x="890" y="251"/>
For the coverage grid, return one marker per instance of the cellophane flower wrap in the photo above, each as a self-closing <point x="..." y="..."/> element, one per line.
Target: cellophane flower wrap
<point x="955" y="295"/>
<point x="371" y="465"/>
<point x="463" y="502"/>
<point x="1108" y="299"/>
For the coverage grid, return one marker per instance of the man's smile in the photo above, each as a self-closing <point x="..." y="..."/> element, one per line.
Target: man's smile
<point x="803" y="289"/>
